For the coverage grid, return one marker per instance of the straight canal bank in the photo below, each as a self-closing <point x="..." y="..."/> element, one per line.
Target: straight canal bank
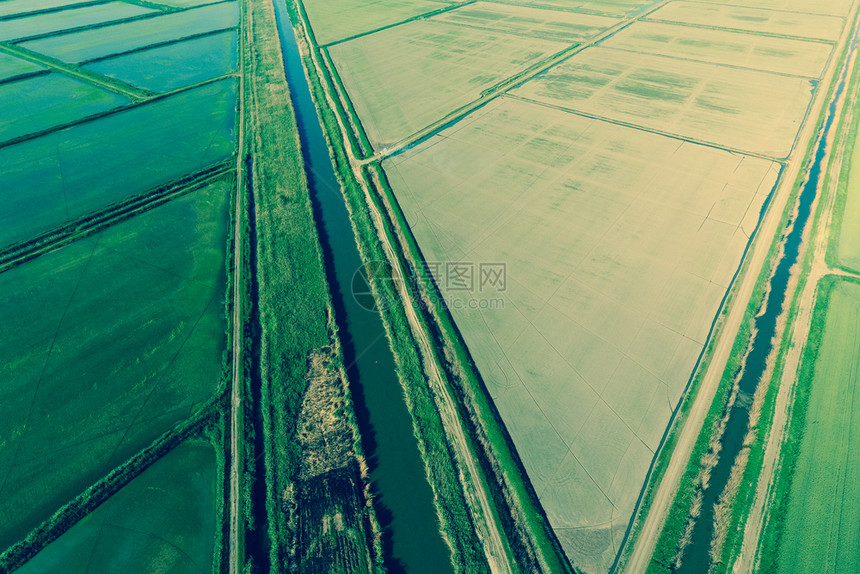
<point x="696" y="557"/>
<point x="412" y="541"/>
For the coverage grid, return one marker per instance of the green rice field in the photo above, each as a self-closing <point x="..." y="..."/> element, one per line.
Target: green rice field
<point x="81" y="47"/>
<point x="819" y="522"/>
<point x="56" y="178"/>
<point x="106" y="344"/>
<point x="174" y="65"/>
<point x="34" y="104"/>
<point x="12" y="67"/>
<point x="162" y="522"/>
<point x="22" y="7"/>
<point x="67" y="19"/>
<point x="114" y="320"/>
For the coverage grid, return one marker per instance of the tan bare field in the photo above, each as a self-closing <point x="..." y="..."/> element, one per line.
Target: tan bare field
<point x="746" y="110"/>
<point x="619" y="245"/>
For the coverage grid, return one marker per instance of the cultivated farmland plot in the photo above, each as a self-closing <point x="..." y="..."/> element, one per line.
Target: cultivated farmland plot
<point x="12" y="68"/>
<point x="105" y="344"/>
<point x="826" y="7"/>
<point x="409" y="76"/>
<point x="64" y="175"/>
<point x="766" y="53"/>
<point x="335" y="20"/>
<point x="31" y="105"/>
<point x="848" y="252"/>
<point x="68" y="19"/>
<point x="161" y="522"/>
<point x="81" y="47"/>
<point x="22" y="7"/>
<point x="783" y="23"/>
<point x="619" y="246"/>
<point x="567" y="27"/>
<point x="174" y="65"/>
<point x="746" y="110"/>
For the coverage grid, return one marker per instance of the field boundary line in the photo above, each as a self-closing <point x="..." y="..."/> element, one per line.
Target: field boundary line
<point x="86" y="27"/>
<point x="121" y="109"/>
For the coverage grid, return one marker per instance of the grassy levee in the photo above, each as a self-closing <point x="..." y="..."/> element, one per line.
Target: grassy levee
<point x="92" y="497"/>
<point x="292" y="315"/>
<point x="516" y="502"/>
<point x="24" y="251"/>
<point x="433" y="444"/>
<point x="674" y="525"/>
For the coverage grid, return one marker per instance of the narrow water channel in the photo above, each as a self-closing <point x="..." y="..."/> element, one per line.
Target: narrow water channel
<point x="696" y="558"/>
<point x="412" y="540"/>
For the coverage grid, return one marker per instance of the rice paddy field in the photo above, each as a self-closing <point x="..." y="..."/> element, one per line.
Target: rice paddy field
<point x="113" y="336"/>
<point x="819" y="532"/>
<point x="106" y="344"/>
<point x="802" y="24"/>
<point x="161" y="522"/>
<point x="619" y="174"/>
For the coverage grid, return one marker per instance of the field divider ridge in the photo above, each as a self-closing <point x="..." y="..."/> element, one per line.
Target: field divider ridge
<point x="76" y="72"/>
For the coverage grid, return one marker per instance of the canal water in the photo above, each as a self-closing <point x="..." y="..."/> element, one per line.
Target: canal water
<point x="696" y="557"/>
<point x="404" y="501"/>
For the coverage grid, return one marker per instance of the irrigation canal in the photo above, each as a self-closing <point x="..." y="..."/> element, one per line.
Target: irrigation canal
<point x="412" y="541"/>
<point x="696" y="557"/>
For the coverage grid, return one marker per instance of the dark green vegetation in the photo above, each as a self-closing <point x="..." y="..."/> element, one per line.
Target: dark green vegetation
<point x="110" y="342"/>
<point x="308" y="488"/>
<point x="169" y="67"/>
<point x="161" y="522"/>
